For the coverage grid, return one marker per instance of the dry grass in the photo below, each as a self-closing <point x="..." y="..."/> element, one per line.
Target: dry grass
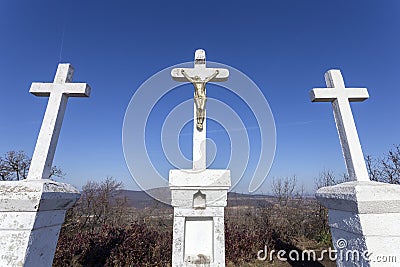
<point x="250" y="226"/>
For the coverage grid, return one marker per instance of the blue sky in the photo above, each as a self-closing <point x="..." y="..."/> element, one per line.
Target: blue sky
<point x="284" y="46"/>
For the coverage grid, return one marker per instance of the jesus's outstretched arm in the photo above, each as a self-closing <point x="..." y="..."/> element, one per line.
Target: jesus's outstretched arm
<point x="187" y="76"/>
<point x="211" y="77"/>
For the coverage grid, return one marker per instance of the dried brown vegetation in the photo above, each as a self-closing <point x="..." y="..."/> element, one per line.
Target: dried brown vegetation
<point x="101" y="230"/>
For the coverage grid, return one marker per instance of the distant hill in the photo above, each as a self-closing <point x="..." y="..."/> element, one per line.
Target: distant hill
<point x="138" y="199"/>
<point x="141" y="200"/>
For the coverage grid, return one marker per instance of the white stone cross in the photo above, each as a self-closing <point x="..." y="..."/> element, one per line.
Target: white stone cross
<point x="58" y="93"/>
<point x="200" y="70"/>
<point x="340" y="96"/>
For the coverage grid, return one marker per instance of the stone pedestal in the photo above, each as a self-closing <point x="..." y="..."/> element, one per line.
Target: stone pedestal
<point x="199" y="198"/>
<point x="31" y="215"/>
<point x="364" y="218"/>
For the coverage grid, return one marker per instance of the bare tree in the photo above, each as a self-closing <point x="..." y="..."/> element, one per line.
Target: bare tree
<point x="372" y="167"/>
<point x="5" y="172"/>
<point x="328" y="178"/>
<point x="284" y="189"/>
<point x="56" y="172"/>
<point x="100" y="204"/>
<point x="387" y="168"/>
<point x="109" y="193"/>
<point x="390" y="166"/>
<point x="14" y="166"/>
<point x="325" y="178"/>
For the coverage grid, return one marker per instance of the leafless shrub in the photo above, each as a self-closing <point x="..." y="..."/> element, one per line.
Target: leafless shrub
<point x="385" y="169"/>
<point x="100" y="204"/>
<point x="14" y="166"/>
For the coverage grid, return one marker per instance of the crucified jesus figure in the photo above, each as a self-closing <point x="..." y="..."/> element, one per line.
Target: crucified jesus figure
<point x="200" y="97"/>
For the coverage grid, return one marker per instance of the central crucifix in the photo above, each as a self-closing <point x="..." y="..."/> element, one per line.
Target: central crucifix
<point x="199" y="76"/>
<point x="199" y="195"/>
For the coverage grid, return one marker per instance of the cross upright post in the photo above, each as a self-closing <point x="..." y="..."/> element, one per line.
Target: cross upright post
<point x="58" y="93"/>
<point x="340" y="96"/>
<point x="199" y="76"/>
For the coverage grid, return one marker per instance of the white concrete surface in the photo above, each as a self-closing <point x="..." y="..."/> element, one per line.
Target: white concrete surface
<point x="188" y="188"/>
<point x="199" y="240"/>
<point x="366" y="216"/>
<point x="31" y="215"/>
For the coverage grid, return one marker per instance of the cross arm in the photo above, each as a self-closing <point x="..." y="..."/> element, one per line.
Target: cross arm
<point x="69" y="89"/>
<point x="337" y="90"/>
<point x="330" y="94"/>
<point x="358" y="94"/>
<point x="203" y="74"/>
<point x="322" y="95"/>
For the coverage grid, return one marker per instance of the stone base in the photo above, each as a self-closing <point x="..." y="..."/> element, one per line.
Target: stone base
<point x="199" y="198"/>
<point x="31" y="215"/>
<point x="364" y="218"/>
